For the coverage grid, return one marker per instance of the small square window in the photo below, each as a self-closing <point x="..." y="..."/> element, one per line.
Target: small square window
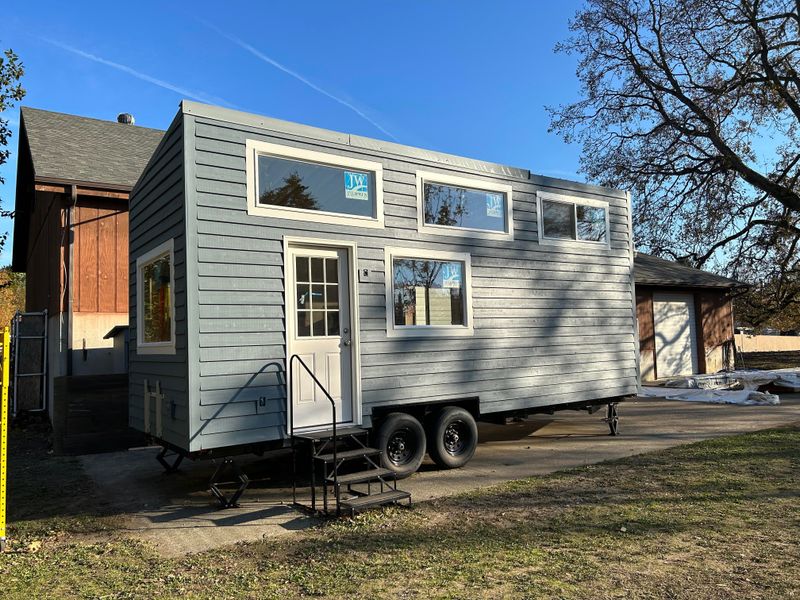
<point x="562" y="218"/>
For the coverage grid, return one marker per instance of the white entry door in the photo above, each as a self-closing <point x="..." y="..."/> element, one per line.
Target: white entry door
<point x="676" y="336"/>
<point x="319" y="331"/>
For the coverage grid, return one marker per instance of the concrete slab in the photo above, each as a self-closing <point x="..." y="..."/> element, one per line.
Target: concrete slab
<point x="179" y="516"/>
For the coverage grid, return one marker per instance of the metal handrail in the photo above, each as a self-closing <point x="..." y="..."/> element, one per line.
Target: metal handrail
<point x="289" y="400"/>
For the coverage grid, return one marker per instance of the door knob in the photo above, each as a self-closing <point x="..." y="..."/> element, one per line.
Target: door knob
<point x="346" y="342"/>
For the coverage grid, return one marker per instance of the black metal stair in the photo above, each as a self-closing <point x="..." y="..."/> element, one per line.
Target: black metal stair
<point x="341" y="449"/>
<point x="333" y="455"/>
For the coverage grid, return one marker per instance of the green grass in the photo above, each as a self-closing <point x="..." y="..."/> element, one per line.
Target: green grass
<point x="717" y="519"/>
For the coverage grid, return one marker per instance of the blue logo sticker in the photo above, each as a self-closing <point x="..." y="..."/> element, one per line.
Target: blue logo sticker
<point x="356" y="186"/>
<point x="494" y="205"/>
<point x="451" y="275"/>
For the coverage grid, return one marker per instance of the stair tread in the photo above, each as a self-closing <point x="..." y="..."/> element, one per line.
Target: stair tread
<point x="347" y="454"/>
<point x="375" y="499"/>
<point x="363" y="476"/>
<point x="325" y="434"/>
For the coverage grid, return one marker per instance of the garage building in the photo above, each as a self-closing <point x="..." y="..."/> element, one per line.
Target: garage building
<point x="685" y="318"/>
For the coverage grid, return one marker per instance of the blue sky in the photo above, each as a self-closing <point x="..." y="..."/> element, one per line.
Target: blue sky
<point x="469" y="78"/>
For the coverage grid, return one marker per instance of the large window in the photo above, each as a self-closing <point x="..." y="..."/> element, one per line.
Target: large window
<point x="294" y="183"/>
<point x="455" y="205"/>
<point x="155" y="309"/>
<point x="428" y="293"/>
<point x="565" y="219"/>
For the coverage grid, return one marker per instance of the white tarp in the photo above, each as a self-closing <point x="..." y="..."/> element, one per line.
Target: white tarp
<point x="732" y="387"/>
<point x="742" y="397"/>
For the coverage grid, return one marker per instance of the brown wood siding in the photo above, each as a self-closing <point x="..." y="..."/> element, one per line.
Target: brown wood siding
<point x="647" y="335"/>
<point x="100" y="252"/>
<point x="714" y="311"/>
<point x="44" y="273"/>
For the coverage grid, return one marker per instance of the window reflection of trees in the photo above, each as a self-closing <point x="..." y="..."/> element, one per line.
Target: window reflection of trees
<point x="410" y="275"/>
<point x="156" y="298"/>
<point x="591" y="223"/>
<point x="292" y="193"/>
<point x="445" y="205"/>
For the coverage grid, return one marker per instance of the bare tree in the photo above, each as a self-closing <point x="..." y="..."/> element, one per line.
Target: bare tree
<point x="11" y="91"/>
<point x="694" y="106"/>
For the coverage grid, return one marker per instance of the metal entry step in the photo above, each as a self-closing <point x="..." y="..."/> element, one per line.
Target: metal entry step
<point x="362" y="476"/>
<point x="327" y="434"/>
<point x="364" y="502"/>
<point x="348" y="454"/>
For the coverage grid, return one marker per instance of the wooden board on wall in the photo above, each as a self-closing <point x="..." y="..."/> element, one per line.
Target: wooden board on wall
<point x="647" y="338"/>
<point x="100" y="252"/>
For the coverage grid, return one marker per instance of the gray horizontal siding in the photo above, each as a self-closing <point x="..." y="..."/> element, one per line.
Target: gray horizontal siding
<point x="564" y="333"/>
<point x="157" y="215"/>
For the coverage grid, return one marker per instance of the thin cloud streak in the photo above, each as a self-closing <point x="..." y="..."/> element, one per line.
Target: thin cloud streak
<point x="200" y="96"/>
<point x="271" y="61"/>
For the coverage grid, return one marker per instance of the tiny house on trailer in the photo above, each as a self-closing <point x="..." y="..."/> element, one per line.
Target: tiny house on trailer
<point x="411" y="291"/>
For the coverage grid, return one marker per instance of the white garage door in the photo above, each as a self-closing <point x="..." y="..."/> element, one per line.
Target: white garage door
<point x="676" y="337"/>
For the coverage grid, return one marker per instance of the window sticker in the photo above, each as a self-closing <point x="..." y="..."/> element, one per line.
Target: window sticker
<point x="451" y="275"/>
<point x="494" y="205"/>
<point x="356" y="186"/>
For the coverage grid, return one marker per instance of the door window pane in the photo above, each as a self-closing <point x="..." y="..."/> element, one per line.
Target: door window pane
<point x="317" y="302"/>
<point x="428" y="292"/>
<point x="314" y="186"/>
<point x="318" y="322"/>
<point x="332" y="292"/>
<point x="333" y="322"/>
<point x="317" y="296"/>
<point x="303" y="296"/>
<point x="156" y="300"/>
<point x="464" y="207"/>
<point x="331" y="270"/>
<point x="303" y="323"/>
<point x="558" y="220"/>
<point x="591" y="223"/>
<point x="301" y="269"/>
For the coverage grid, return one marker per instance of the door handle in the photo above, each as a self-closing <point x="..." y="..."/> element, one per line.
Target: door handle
<point x="346" y="342"/>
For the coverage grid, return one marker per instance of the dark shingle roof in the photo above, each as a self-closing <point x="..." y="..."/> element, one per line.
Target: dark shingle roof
<point x="72" y="148"/>
<point x="651" y="270"/>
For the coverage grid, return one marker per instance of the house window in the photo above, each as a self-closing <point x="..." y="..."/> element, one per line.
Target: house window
<point x="566" y="219"/>
<point x="156" y="300"/>
<point x="454" y="205"/>
<point x="293" y="183"/>
<point x="429" y="293"/>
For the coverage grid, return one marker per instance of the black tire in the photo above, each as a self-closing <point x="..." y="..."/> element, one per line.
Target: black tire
<point x="452" y="437"/>
<point x="401" y="438"/>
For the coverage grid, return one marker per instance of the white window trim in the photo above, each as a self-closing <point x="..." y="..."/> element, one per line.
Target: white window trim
<point x="466" y="182"/>
<point x="423" y="331"/>
<point x="254" y="148"/>
<point x="564" y="199"/>
<point x="165" y="249"/>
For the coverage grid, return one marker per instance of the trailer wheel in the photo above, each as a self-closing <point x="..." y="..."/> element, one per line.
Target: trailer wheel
<point x="401" y="439"/>
<point x="452" y="438"/>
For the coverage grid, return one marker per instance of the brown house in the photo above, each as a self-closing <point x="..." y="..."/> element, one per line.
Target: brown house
<point x="71" y="231"/>
<point x="685" y="318"/>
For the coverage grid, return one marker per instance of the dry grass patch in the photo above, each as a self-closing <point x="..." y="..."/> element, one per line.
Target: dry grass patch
<point x="716" y="519"/>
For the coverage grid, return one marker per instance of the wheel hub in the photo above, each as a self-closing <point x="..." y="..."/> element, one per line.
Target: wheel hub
<point x="399" y="451"/>
<point x="454" y="438"/>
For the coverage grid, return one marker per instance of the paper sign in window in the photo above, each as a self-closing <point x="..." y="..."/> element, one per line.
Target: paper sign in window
<point x="494" y="205"/>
